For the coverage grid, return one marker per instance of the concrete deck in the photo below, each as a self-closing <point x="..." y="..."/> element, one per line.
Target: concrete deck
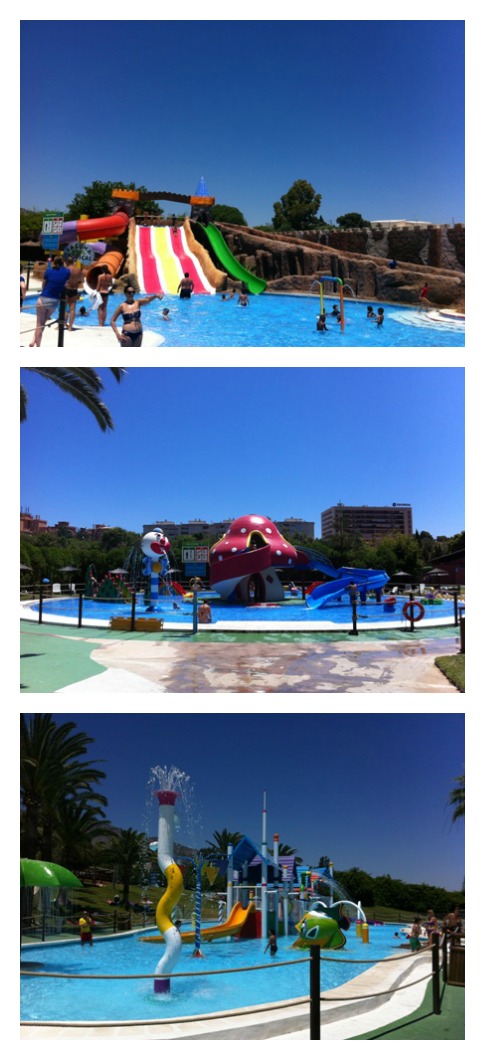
<point x="84" y="661"/>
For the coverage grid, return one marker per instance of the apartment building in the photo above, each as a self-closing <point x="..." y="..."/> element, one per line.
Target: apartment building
<point x="367" y="521"/>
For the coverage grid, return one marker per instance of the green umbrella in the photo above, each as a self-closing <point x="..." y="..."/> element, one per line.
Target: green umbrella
<point x="46" y="874"/>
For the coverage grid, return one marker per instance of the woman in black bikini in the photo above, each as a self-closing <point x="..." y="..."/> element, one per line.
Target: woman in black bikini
<point x="132" y="331"/>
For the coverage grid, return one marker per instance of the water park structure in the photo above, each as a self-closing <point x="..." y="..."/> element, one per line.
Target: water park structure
<point x="245" y="565"/>
<point x="159" y="256"/>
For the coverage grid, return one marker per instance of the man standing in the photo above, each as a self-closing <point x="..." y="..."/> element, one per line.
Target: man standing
<point x="72" y="290"/>
<point x="86" y="928"/>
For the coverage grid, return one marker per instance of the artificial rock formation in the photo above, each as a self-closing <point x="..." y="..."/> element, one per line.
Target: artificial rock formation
<point x="290" y="263"/>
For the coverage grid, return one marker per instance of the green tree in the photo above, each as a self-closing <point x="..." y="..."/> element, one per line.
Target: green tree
<point x="352" y="220"/>
<point x="298" y="209"/>
<point x="228" y="215"/>
<point x="78" y="828"/>
<point x="52" y="771"/>
<point x="125" y="855"/>
<point x="95" y="200"/>
<point x="30" y="225"/>
<point x="457" y="798"/>
<point x="84" y="384"/>
<point x="217" y="848"/>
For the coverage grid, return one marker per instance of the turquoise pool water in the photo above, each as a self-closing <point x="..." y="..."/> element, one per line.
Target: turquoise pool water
<point x="280" y="320"/>
<point x="88" y="999"/>
<point x="290" y="610"/>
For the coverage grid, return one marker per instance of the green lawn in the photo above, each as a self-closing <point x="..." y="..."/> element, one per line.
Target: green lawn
<point x="453" y="667"/>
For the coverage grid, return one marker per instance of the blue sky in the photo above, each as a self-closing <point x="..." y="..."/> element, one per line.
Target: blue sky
<point x="367" y="790"/>
<point x="370" y="112"/>
<point x="215" y="444"/>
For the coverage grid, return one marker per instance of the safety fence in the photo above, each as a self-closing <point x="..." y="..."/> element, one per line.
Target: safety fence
<point x="439" y="974"/>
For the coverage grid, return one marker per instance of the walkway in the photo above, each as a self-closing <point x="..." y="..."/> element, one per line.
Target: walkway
<point x="68" y="659"/>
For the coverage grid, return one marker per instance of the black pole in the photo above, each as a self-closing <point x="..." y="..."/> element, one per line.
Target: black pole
<point x="315" y="993"/>
<point x="354" y="631"/>
<point x="445" y="957"/>
<point x="194" y="613"/>
<point x="133" y="609"/>
<point x="455" y="605"/>
<point x="41" y="600"/>
<point x="80" y="611"/>
<point x="435" y="964"/>
<point x="462" y="634"/>
<point x="62" y="318"/>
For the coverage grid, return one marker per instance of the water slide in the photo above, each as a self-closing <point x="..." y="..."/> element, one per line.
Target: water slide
<point x="229" y="263"/>
<point x="94" y="228"/>
<point x="163" y="256"/>
<point x="232" y="926"/>
<point x="364" y="579"/>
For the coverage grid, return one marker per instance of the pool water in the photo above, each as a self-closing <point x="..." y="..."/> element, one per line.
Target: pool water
<point x="281" y="320"/>
<point x="88" y="999"/>
<point x="289" y="610"/>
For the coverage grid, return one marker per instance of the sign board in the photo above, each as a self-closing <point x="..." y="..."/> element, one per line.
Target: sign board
<point x="198" y="554"/>
<point x="52" y="226"/>
<point x="195" y="570"/>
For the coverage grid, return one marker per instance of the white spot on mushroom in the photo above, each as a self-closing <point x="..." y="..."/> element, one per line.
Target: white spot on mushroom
<point x="278" y="552"/>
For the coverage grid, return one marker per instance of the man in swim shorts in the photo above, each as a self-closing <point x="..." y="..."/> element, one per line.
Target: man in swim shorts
<point x="185" y="287"/>
<point x="72" y="290"/>
<point x="86" y="928"/>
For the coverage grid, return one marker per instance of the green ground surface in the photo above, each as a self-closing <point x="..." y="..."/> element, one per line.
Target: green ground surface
<point x="423" y="1025"/>
<point x="453" y="667"/>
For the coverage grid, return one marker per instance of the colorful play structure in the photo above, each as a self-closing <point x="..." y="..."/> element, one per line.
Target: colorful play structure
<point x="159" y="256"/>
<point x="247" y="564"/>
<point x="274" y="899"/>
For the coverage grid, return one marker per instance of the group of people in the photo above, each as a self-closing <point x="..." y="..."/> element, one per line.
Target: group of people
<point x="322" y="318"/>
<point x="452" y="924"/>
<point x="66" y="277"/>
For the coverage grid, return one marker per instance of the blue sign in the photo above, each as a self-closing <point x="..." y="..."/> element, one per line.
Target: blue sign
<point x="195" y="570"/>
<point x="50" y="242"/>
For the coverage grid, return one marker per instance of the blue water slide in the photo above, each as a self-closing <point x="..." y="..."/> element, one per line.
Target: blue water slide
<point x="321" y="594"/>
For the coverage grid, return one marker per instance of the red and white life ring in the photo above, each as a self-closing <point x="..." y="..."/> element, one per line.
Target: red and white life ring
<point x="408" y="610"/>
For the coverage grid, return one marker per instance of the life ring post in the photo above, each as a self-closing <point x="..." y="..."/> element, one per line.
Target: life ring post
<point x="413" y="610"/>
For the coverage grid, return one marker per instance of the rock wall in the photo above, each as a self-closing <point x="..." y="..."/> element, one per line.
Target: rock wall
<point x="292" y="262"/>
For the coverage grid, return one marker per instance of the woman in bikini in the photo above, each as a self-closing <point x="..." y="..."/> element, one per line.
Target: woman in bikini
<point x="131" y="333"/>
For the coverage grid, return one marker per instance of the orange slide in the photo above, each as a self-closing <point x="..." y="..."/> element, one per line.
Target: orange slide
<point x="232" y="926"/>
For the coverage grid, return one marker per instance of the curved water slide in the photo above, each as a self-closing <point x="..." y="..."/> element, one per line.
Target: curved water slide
<point x="163" y="257"/>
<point x="364" y="579"/>
<point x="232" y="266"/>
<point x="90" y="228"/>
<point x="232" y="926"/>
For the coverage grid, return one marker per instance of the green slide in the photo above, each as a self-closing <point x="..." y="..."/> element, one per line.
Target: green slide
<point x="229" y="263"/>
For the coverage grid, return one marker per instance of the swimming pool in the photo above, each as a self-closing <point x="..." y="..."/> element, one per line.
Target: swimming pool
<point x="86" y="1000"/>
<point x="281" y="320"/>
<point x="289" y="610"/>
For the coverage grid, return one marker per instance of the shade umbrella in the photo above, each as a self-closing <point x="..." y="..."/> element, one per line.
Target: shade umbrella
<point x="23" y="566"/>
<point x="67" y="570"/>
<point x="402" y="574"/>
<point x="118" y="570"/>
<point x="35" y="873"/>
<point x="436" y="572"/>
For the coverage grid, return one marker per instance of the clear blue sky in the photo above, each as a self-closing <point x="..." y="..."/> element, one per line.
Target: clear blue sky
<point x="215" y="444"/>
<point x="370" y="112"/>
<point x="367" y="790"/>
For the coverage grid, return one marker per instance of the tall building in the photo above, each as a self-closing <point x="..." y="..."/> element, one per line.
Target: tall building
<point x="296" y="526"/>
<point x="367" y="521"/>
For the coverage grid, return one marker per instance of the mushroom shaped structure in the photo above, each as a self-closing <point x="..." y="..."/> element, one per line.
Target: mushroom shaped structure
<point x="244" y="564"/>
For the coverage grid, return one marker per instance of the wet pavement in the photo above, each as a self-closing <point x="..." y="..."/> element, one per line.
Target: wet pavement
<point x="55" y="659"/>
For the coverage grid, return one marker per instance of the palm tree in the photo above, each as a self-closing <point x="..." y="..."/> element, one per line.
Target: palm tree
<point x="221" y="840"/>
<point x="84" y="384"/>
<point x="457" y="798"/>
<point x="78" y="826"/>
<point x="51" y="772"/>
<point x="126" y="854"/>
